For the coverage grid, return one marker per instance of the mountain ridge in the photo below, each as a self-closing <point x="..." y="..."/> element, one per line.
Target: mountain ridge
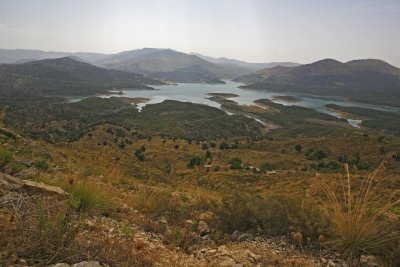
<point x="368" y="80"/>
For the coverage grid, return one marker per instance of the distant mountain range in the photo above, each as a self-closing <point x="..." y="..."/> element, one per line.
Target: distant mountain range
<point x="254" y="66"/>
<point x="192" y="74"/>
<point x="165" y="63"/>
<point x="64" y="76"/>
<point x="368" y="81"/>
<point x="151" y="60"/>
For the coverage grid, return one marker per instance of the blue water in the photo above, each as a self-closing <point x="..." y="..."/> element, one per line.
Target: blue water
<point x="197" y="93"/>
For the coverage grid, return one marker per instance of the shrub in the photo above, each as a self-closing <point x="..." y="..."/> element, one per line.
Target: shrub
<point x="139" y="153"/>
<point x="86" y="198"/>
<point x="357" y="221"/>
<point x="236" y="163"/>
<point x="5" y="157"/>
<point x="316" y="155"/>
<point x="298" y="148"/>
<point x="49" y="235"/>
<point x="204" y="146"/>
<point x="267" y="167"/>
<point x="41" y="163"/>
<point x="195" y="161"/>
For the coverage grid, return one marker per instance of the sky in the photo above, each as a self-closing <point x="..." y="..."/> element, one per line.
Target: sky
<point x="252" y="30"/>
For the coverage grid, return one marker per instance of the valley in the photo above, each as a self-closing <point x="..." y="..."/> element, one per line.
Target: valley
<point x="181" y="166"/>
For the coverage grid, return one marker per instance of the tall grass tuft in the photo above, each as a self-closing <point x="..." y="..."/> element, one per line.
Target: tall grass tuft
<point x="358" y="221"/>
<point x="86" y="197"/>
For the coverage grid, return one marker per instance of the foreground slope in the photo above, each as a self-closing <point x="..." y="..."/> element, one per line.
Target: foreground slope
<point x="369" y="81"/>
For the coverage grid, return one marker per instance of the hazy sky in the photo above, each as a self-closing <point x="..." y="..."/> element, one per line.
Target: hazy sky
<point x="251" y="30"/>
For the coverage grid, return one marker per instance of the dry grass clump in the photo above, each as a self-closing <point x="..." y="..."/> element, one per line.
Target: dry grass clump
<point x="358" y="221"/>
<point x="46" y="234"/>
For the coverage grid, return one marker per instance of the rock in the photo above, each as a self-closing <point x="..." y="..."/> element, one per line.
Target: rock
<point x="206" y="216"/>
<point x="45" y="187"/>
<point x="245" y="237"/>
<point x="87" y="264"/>
<point x="27" y="173"/>
<point x="90" y="225"/>
<point x="203" y="228"/>
<point x="211" y="252"/>
<point x="222" y="250"/>
<point x="60" y="265"/>
<point x="8" y="182"/>
<point x="235" y="235"/>
<point x="252" y="257"/>
<point x="370" y="261"/>
<point x="228" y="262"/>
<point x="331" y="264"/>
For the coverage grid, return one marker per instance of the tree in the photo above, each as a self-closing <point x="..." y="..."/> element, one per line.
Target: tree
<point x="236" y="163"/>
<point x="195" y="161"/>
<point x="298" y="148"/>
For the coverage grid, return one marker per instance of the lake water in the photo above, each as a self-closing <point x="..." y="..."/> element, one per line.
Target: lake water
<point x="198" y="93"/>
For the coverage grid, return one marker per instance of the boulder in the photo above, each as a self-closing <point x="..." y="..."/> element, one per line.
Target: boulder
<point x="245" y="237"/>
<point x="370" y="261"/>
<point x="87" y="264"/>
<point x="203" y="228"/>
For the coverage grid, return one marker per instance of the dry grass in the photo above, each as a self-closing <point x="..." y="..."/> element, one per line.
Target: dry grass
<point x="357" y="217"/>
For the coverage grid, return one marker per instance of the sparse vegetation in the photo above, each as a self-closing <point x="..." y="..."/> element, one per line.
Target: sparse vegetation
<point x="358" y="223"/>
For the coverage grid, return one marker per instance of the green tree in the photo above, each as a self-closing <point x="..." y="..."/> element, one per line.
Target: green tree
<point x="298" y="148"/>
<point x="236" y="163"/>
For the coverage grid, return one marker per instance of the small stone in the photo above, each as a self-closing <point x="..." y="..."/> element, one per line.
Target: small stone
<point x="228" y="262"/>
<point x="369" y="261"/>
<point x="331" y="264"/>
<point x="211" y="252"/>
<point x="203" y="228"/>
<point x="87" y="264"/>
<point x="245" y="237"/>
<point x="206" y="216"/>
<point x="235" y="235"/>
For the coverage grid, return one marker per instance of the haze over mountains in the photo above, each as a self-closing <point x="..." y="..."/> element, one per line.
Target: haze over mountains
<point x="368" y="81"/>
<point x="148" y="61"/>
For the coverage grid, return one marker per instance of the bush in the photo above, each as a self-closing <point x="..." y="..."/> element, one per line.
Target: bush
<point x="204" y="146"/>
<point x="41" y="163"/>
<point x="298" y="148"/>
<point x="267" y="167"/>
<point x="315" y="155"/>
<point x="139" y="153"/>
<point x="86" y="198"/>
<point x="5" y="157"/>
<point x="195" y="161"/>
<point x="358" y="223"/>
<point x="236" y="163"/>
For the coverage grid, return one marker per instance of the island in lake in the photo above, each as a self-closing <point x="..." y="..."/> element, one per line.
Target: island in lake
<point x="286" y="98"/>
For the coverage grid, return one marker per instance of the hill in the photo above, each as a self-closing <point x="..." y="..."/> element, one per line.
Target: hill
<point x="25" y="55"/>
<point x="192" y="74"/>
<point x="367" y="81"/>
<point x="64" y="76"/>
<point x="152" y="60"/>
<point x="234" y="62"/>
